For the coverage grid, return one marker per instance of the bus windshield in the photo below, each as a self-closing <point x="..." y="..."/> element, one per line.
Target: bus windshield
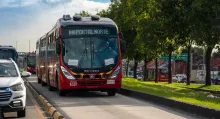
<point x="8" y="53"/>
<point x="90" y="52"/>
<point x="90" y="47"/>
<point x="31" y="60"/>
<point x="163" y="71"/>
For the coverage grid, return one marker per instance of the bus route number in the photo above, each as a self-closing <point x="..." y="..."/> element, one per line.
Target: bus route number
<point x="73" y="83"/>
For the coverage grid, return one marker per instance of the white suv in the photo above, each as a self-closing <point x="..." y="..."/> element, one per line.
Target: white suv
<point x="12" y="88"/>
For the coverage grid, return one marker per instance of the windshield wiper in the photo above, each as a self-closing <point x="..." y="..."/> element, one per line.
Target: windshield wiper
<point x="2" y="76"/>
<point x="92" y="52"/>
<point x="82" y="56"/>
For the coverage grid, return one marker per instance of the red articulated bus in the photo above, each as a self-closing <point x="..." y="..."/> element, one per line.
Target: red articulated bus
<point x="31" y="62"/>
<point x="81" y="53"/>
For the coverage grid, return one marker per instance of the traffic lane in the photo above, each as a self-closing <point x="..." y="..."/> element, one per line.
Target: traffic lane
<point x="95" y="105"/>
<point x="31" y="112"/>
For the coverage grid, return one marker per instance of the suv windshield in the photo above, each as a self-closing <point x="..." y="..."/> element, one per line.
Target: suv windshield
<point x="8" y="70"/>
<point x="90" y="52"/>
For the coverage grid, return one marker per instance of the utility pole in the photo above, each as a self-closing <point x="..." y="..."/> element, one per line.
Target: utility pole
<point x="29" y="45"/>
<point x="16" y="45"/>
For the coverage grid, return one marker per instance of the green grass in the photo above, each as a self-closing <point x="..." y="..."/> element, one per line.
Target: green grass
<point x="176" y="91"/>
<point x="192" y="85"/>
<point x="21" y="69"/>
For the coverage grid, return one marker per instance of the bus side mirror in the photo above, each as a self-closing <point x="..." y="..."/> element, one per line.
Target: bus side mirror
<point x="123" y="46"/>
<point x="58" y="48"/>
<point x="121" y="35"/>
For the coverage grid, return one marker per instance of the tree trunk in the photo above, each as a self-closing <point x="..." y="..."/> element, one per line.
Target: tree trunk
<point x="135" y="69"/>
<point x="147" y="75"/>
<point x="207" y="61"/>
<point x="169" y="70"/>
<point x="156" y="71"/>
<point x="145" y="68"/>
<point x="188" y="65"/>
<point x="127" y="65"/>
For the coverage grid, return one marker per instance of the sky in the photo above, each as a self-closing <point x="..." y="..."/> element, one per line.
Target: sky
<point x="24" y="21"/>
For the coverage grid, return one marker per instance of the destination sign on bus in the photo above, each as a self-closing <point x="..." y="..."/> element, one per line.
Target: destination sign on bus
<point x="88" y="31"/>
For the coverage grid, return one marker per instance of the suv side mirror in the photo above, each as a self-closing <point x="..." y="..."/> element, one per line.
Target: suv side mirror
<point x="58" y="48"/>
<point x="25" y="74"/>
<point x="123" y="46"/>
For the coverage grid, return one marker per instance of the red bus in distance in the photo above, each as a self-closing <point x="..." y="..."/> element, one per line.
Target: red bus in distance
<point x="31" y="62"/>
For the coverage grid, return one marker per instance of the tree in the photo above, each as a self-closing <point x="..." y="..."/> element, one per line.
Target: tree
<point x="197" y="56"/>
<point x="216" y="54"/>
<point x="167" y="16"/>
<point x="207" y="27"/>
<point x="124" y="15"/>
<point x="83" y="13"/>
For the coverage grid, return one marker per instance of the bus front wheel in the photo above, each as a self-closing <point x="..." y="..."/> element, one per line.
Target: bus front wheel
<point x="38" y="80"/>
<point x="61" y="92"/>
<point x="111" y="93"/>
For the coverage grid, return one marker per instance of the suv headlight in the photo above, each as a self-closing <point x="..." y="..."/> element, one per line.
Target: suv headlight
<point x="17" y="87"/>
<point x="115" y="73"/>
<point x="66" y="73"/>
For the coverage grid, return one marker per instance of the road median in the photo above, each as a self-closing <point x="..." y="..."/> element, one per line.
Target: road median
<point x="181" y="98"/>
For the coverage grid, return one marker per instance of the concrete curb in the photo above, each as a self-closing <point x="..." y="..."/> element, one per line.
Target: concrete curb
<point x="189" y="108"/>
<point x="46" y="105"/>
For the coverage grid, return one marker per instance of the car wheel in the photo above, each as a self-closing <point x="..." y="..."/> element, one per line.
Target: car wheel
<point x="21" y="113"/>
<point x="2" y="115"/>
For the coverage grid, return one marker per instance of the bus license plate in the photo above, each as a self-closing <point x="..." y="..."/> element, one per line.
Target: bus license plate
<point x="73" y="83"/>
<point x="110" y="81"/>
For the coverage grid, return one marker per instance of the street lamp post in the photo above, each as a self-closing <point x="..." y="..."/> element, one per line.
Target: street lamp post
<point x="16" y="44"/>
<point x="29" y="45"/>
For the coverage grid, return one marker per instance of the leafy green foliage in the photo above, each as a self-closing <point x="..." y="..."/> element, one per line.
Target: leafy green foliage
<point x="155" y="27"/>
<point x="206" y="30"/>
<point x="83" y="13"/>
<point x="216" y="54"/>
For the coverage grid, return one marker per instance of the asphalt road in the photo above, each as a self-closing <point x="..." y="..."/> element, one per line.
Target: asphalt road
<point x="97" y="105"/>
<point x="32" y="110"/>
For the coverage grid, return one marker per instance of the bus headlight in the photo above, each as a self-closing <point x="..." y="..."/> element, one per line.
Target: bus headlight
<point x="66" y="73"/>
<point x="115" y="73"/>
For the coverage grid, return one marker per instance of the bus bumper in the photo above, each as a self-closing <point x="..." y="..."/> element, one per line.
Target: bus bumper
<point x="91" y="85"/>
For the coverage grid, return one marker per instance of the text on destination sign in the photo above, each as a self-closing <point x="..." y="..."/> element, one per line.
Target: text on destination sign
<point x="89" y="32"/>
